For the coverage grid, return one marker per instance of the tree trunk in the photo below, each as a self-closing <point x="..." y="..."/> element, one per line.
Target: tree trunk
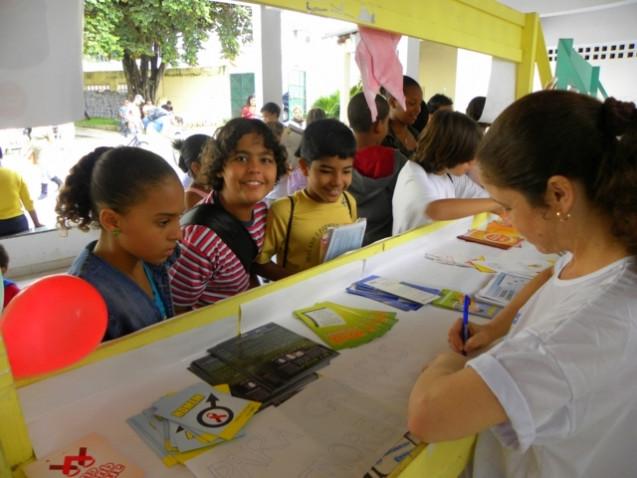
<point x="143" y="79"/>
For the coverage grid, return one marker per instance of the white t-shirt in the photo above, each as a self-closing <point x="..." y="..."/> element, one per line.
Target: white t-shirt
<point x="416" y="188"/>
<point x="566" y="376"/>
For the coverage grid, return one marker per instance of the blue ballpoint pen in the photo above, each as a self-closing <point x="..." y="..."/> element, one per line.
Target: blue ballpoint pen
<point x="465" y="319"/>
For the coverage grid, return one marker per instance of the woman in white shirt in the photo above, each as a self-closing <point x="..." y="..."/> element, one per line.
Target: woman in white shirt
<point x="557" y="397"/>
<point x="434" y="186"/>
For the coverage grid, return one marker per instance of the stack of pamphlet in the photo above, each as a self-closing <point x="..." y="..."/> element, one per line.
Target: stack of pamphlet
<point x="179" y="426"/>
<point x="267" y="364"/>
<point x="496" y="234"/>
<point x="346" y="327"/>
<point x="399" y="294"/>
<point x="502" y="288"/>
<point x="454" y="300"/>
<point x="341" y="239"/>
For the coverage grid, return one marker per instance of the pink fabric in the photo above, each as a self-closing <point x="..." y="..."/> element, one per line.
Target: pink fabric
<point x="379" y="65"/>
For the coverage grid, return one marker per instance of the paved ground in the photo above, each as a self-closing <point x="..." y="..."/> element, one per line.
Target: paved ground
<point x="70" y="151"/>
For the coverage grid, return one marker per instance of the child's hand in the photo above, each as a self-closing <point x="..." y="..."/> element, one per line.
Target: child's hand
<point x="480" y="336"/>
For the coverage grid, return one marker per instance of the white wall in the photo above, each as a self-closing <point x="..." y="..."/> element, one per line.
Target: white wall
<point x="608" y="26"/>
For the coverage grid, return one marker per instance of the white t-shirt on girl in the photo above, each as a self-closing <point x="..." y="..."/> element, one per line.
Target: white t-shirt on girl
<point x="416" y="188"/>
<point x="566" y="375"/>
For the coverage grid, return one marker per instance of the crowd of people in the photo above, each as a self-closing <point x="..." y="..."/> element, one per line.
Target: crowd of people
<point x="562" y="167"/>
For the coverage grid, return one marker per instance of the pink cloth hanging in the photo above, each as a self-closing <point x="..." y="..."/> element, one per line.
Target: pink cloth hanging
<point x="378" y="62"/>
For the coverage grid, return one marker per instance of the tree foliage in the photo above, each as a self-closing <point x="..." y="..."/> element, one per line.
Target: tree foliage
<point x="148" y="35"/>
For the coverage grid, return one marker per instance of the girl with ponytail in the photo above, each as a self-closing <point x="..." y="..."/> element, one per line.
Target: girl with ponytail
<point x="136" y="199"/>
<point x="557" y="396"/>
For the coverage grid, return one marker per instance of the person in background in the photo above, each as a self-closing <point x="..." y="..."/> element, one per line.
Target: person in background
<point x="136" y="199"/>
<point x="421" y="120"/>
<point x="313" y="115"/>
<point x="556" y="397"/>
<point x="439" y="102"/>
<point x="433" y="185"/>
<point x="270" y="112"/>
<point x="401" y="134"/>
<point x="249" y="110"/>
<point x="190" y="150"/>
<point x="14" y="196"/>
<point x="475" y="109"/>
<point x="376" y="167"/>
<point x="10" y="288"/>
<point x="297" y="224"/>
<point x="241" y="164"/>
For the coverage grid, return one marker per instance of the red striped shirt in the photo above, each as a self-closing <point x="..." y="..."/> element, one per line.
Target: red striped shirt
<point x="207" y="270"/>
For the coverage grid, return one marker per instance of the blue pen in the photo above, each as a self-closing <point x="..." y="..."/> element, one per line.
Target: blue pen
<point x="465" y="319"/>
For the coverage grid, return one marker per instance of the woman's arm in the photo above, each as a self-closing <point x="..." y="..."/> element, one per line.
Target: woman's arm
<point x="483" y="336"/>
<point x="450" y="401"/>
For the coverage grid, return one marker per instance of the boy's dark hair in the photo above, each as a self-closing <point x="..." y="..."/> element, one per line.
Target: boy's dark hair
<point x="359" y="115"/>
<point x="555" y="132"/>
<point x="437" y="101"/>
<point x="326" y="138"/>
<point x="190" y="150"/>
<point x="449" y="139"/>
<point x="4" y="258"/>
<point x="476" y="107"/>
<point x="271" y="108"/>
<point x="116" y="178"/>
<point x="218" y="150"/>
<point x="315" y="114"/>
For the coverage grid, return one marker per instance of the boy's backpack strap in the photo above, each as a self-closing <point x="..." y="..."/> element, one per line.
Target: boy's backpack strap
<point x="231" y="231"/>
<point x="349" y="206"/>
<point x="287" y="234"/>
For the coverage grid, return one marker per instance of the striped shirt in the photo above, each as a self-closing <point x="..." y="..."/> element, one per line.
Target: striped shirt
<point x="207" y="269"/>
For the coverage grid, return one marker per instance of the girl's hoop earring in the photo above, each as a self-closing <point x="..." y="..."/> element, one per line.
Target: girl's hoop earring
<point x="116" y="232"/>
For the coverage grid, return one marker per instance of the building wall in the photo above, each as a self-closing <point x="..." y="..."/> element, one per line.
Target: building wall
<point x="612" y="26"/>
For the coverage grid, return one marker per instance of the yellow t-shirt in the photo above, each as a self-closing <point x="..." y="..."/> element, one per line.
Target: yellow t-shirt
<point x="309" y="224"/>
<point x="13" y="194"/>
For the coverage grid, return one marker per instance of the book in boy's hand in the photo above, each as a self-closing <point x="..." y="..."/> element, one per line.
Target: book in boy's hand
<point x="496" y="234"/>
<point x="88" y="457"/>
<point x="343" y="238"/>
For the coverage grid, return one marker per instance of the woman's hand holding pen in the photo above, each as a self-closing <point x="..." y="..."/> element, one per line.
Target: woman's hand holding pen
<point x="480" y="337"/>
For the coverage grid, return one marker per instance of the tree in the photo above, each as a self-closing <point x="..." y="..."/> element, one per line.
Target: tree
<point x="148" y="35"/>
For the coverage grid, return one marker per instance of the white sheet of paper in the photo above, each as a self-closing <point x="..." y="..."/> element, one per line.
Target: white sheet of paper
<point x="402" y="290"/>
<point x="299" y="438"/>
<point x="325" y="317"/>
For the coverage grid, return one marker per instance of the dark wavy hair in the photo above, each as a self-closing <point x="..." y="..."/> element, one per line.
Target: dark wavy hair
<point x="449" y="139"/>
<point x="117" y="178"/>
<point x="218" y="150"/>
<point x="563" y="133"/>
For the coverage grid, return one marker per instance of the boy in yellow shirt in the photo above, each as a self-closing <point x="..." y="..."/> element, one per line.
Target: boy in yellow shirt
<point x="298" y="223"/>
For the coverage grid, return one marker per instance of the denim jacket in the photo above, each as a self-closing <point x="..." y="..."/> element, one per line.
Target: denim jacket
<point x="129" y="307"/>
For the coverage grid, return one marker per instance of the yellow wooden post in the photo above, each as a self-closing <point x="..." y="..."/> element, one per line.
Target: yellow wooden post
<point x="15" y="445"/>
<point x="526" y="68"/>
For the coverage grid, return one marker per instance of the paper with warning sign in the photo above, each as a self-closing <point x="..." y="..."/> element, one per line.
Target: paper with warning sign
<point x="89" y="457"/>
<point x="207" y="411"/>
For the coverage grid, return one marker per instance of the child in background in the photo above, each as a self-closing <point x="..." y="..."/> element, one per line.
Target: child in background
<point x="10" y="287"/>
<point x="297" y="223"/>
<point x="190" y="162"/>
<point x="376" y="167"/>
<point x="241" y="164"/>
<point x="402" y="135"/>
<point x="15" y="195"/>
<point x="433" y="185"/>
<point x="270" y="113"/>
<point x="556" y="397"/>
<point x="136" y="199"/>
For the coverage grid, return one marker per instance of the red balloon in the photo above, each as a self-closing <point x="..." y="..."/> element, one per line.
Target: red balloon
<point x="52" y="323"/>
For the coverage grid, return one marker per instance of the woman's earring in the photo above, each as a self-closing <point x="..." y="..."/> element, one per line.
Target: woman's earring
<point x="562" y="218"/>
